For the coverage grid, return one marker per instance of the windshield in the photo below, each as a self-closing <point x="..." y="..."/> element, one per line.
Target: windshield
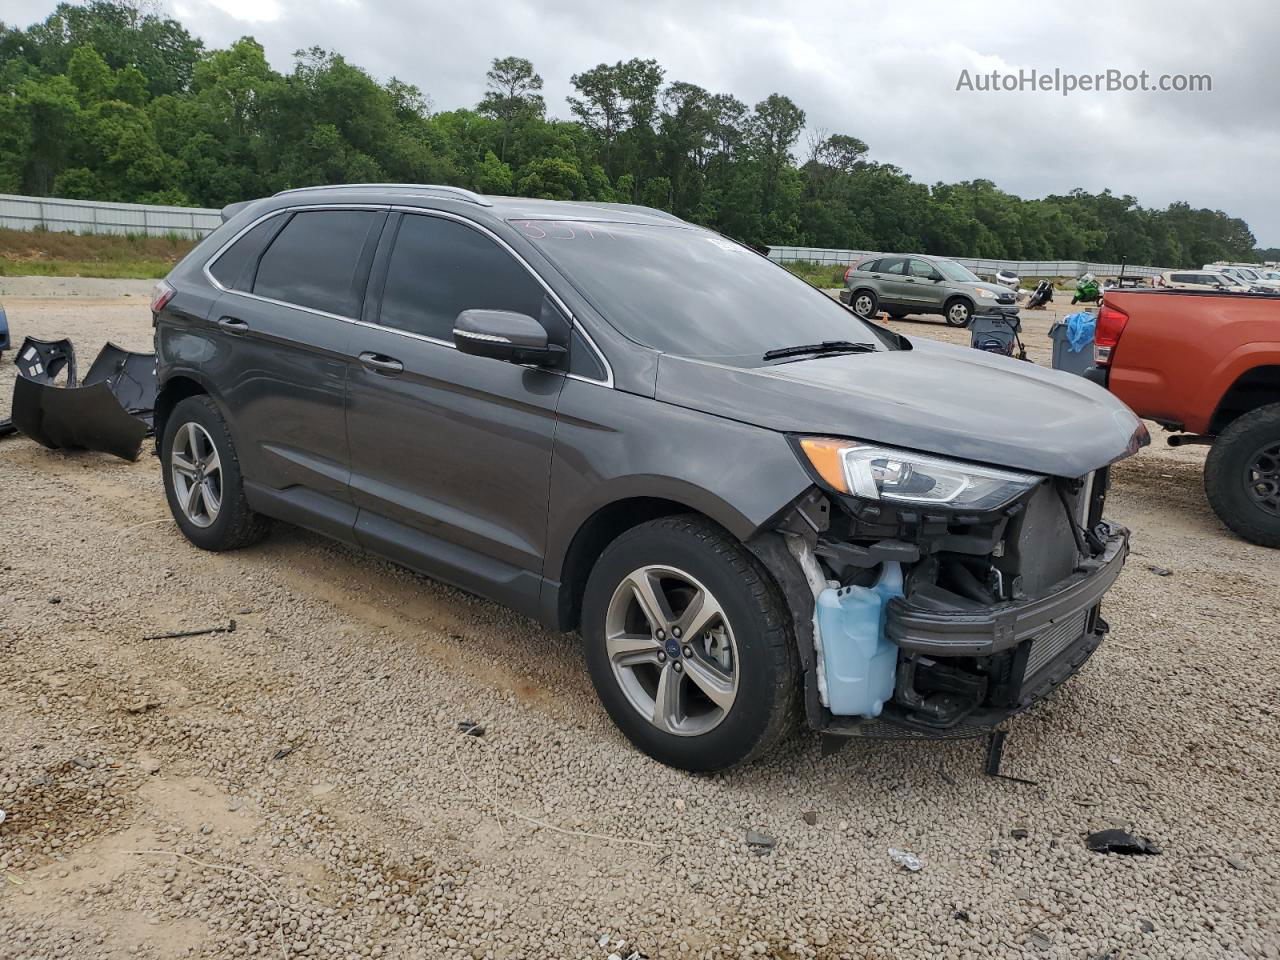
<point x="1246" y="273"/>
<point x="953" y="271"/>
<point x="688" y="291"/>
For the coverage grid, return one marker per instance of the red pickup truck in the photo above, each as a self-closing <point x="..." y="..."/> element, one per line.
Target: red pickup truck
<point x="1205" y="365"/>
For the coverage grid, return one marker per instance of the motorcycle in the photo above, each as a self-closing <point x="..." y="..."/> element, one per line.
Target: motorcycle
<point x="1087" y="290"/>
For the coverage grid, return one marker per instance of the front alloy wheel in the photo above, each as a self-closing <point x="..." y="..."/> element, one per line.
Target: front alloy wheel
<point x="672" y="650"/>
<point x="690" y="644"/>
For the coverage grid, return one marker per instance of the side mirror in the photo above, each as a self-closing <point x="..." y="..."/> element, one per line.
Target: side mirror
<point x="505" y="335"/>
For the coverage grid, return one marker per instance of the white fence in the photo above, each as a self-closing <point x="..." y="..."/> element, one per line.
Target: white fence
<point x="88" y="216"/>
<point x="1023" y="268"/>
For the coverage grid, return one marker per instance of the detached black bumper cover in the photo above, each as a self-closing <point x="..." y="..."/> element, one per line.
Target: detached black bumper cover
<point x="963" y="633"/>
<point x="110" y="411"/>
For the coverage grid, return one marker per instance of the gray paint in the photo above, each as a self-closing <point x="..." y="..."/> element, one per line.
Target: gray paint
<point x="934" y="398"/>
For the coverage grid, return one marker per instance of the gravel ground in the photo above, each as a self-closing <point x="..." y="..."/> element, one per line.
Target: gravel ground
<point x="301" y="786"/>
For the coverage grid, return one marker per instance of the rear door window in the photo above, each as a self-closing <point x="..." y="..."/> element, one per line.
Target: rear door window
<point x="894" y="265"/>
<point x="315" y="260"/>
<point x="440" y="267"/>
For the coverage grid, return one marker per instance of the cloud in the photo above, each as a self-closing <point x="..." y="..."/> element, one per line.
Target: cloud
<point x="883" y="72"/>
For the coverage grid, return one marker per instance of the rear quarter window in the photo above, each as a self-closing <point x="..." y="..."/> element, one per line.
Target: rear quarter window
<point x="235" y="267"/>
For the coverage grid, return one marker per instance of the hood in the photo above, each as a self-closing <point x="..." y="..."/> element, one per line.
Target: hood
<point x="935" y="398"/>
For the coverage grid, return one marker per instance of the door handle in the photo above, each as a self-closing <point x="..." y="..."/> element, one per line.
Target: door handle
<point x="233" y="325"/>
<point x="380" y="363"/>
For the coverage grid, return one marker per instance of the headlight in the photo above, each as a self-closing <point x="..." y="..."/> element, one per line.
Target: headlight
<point x="985" y="294"/>
<point x="883" y="473"/>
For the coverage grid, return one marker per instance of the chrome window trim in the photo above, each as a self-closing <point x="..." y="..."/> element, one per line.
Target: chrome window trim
<point x="574" y="323"/>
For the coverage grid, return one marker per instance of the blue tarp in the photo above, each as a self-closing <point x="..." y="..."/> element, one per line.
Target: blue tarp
<point x="1080" y="330"/>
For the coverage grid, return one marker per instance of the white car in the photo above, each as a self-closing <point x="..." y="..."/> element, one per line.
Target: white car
<point x="1202" y="280"/>
<point x="1248" y="277"/>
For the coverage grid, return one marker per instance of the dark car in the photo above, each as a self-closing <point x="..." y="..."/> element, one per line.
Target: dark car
<point x="752" y="503"/>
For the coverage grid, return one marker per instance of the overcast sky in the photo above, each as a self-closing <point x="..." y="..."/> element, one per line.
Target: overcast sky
<point x="885" y="72"/>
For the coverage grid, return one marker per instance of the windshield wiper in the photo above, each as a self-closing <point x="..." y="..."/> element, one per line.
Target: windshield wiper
<point x="819" y="349"/>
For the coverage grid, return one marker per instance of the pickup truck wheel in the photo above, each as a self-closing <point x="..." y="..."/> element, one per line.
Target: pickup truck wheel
<point x="689" y="645"/>
<point x="865" y="303"/>
<point x="1242" y="476"/>
<point x="957" y="312"/>
<point x="202" y="479"/>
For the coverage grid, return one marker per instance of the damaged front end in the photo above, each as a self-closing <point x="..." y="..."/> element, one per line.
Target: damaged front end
<point x="984" y="588"/>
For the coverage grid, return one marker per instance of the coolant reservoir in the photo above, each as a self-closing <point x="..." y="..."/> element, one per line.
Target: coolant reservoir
<point x="860" y="661"/>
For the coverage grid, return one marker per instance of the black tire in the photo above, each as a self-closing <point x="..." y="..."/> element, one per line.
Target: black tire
<point x="1074" y="301"/>
<point x="953" y="315"/>
<point x="867" y="297"/>
<point x="898" y="314"/>
<point x="1242" y="476"/>
<point x="234" y="525"/>
<point x="764" y="708"/>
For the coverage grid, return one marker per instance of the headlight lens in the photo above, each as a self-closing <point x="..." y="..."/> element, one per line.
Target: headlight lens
<point x="901" y="476"/>
<point x="986" y="294"/>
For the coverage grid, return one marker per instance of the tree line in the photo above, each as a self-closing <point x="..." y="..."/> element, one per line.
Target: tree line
<point x="112" y="101"/>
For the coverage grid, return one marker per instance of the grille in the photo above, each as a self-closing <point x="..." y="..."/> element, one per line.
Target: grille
<point x="1053" y="641"/>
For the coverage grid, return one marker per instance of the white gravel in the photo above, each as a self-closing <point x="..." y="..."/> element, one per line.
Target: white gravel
<point x="147" y="816"/>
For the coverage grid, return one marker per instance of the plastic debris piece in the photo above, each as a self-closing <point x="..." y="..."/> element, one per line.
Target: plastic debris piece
<point x="1121" y="842"/>
<point x="470" y="728"/>
<point x="1160" y="571"/>
<point x="759" y="840"/>
<point x="908" y="861"/>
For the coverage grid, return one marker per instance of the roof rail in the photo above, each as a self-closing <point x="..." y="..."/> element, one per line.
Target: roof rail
<point x="458" y="193"/>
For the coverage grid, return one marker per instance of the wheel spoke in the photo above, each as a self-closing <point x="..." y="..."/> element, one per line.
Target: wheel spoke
<point x="698" y="615"/>
<point x="632" y="649"/>
<point x="653" y="603"/>
<point x="210" y="496"/>
<point x="194" y="496"/>
<point x="212" y="464"/>
<point x="182" y="464"/>
<point x="193" y="442"/>
<point x="666" y="700"/>
<point x="717" y="687"/>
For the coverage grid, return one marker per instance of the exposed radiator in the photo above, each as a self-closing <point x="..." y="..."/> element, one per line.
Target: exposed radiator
<point x="1053" y="641"/>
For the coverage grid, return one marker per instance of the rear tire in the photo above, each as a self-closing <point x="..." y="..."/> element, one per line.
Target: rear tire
<point x="898" y="315"/>
<point x="738" y="694"/>
<point x="1242" y="476"/>
<point x="865" y="303"/>
<point x="202" y="479"/>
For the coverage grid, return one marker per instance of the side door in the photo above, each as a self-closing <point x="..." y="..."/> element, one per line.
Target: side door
<point x="283" y="327"/>
<point x="891" y="274"/>
<point x="451" y="453"/>
<point x="924" y="289"/>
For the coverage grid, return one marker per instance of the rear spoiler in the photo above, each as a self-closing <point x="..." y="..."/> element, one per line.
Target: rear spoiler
<point x="231" y="209"/>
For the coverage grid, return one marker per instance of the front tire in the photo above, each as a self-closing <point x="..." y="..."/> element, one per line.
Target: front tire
<point x="202" y="479"/>
<point x="689" y="645"/>
<point x="1242" y="476"/>
<point x="958" y="312"/>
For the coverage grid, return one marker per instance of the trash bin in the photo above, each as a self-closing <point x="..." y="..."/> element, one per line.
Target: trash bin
<point x="1072" y="338"/>
<point x="994" y="331"/>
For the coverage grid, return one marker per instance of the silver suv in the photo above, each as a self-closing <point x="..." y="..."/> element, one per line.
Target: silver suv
<point x="904" y="285"/>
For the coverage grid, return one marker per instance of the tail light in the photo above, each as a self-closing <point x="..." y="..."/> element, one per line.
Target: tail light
<point x="1111" y="323"/>
<point x="848" y="270"/>
<point x="161" y="295"/>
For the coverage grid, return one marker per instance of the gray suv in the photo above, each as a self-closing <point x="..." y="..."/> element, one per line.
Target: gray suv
<point x="752" y="504"/>
<point x="904" y="285"/>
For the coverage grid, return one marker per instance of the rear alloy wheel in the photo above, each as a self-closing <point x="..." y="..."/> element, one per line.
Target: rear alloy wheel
<point x="958" y="313"/>
<point x="1242" y="476"/>
<point x="689" y="644"/>
<point x="864" y="303"/>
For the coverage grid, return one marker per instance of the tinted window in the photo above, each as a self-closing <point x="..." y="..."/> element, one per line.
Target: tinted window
<point x="688" y="291"/>
<point x="894" y="265"/>
<point x="314" y="260"/>
<point x="1184" y="278"/>
<point x="439" y="268"/>
<point x="920" y="268"/>
<point x="871" y="266"/>
<point x="234" y="269"/>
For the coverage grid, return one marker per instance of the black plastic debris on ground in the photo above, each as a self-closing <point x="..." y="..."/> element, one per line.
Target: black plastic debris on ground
<point x="110" y="411"/>
<point x="1121" y="842"/>
<point x="470" y="728"/>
